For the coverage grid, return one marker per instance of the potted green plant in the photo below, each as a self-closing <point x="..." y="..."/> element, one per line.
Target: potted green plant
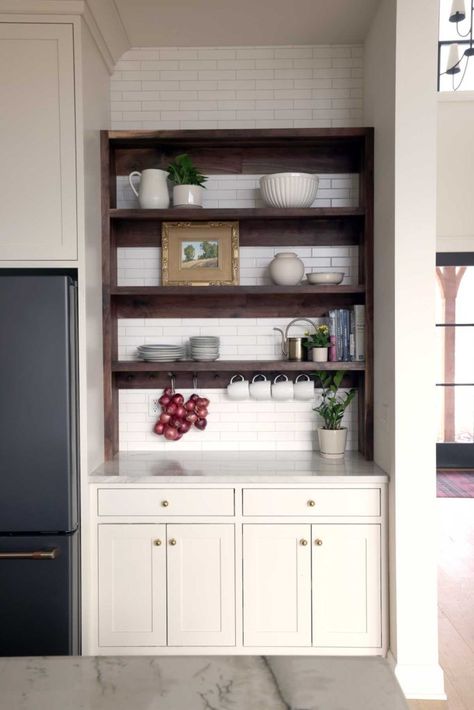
<point x="332" y="436"/>
<point x="188" y="182"/>
<point x="318" y="343"/>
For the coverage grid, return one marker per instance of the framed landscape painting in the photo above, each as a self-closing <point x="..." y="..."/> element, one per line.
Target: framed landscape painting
<point x="200" y="253"/>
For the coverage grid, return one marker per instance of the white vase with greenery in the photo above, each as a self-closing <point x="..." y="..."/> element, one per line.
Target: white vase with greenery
<point x="318" y="343"/>
<point x="332" y="436"/>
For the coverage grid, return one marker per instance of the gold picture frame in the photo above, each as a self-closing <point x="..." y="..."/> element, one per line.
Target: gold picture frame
<point x="200" y="253"/>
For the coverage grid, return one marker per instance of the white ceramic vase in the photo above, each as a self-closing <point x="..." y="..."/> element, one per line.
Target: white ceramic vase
<point x="320" y="354"/>
<point x="153" y="190"/>
<point x="188" y="195"/>
<point x="332" y="442"/>
<point x="286" y="269"/>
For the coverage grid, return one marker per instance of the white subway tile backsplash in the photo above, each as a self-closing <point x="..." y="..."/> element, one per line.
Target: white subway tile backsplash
<point x="237" y="73"/>
<point x="142" y="267"/>
<point x="246" y="426"/>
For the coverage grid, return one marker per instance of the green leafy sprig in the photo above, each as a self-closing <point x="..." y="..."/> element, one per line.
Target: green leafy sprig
<point x="333" y="405"/>
<point x="183" y="172"/>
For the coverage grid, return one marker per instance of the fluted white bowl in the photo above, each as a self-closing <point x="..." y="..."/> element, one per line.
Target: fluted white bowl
<point x="289" y="189"/>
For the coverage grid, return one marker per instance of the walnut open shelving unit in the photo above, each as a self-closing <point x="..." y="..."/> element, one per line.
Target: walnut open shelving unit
<point x="330" y="150"/>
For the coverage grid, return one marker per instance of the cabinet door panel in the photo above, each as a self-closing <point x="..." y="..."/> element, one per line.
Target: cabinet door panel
<point x="277" y="585"/>
<point x="132" y="585"/>
<point x="201" y="585"/>
<point x="346" y="586"/>
<point x="37" y="129"/>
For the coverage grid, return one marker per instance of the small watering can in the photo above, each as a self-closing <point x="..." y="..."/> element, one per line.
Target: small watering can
<point x="292" y="348"/>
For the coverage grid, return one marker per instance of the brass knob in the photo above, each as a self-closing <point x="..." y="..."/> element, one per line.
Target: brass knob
<point x="318" y="541"/>
<point x="172" y="541"/>
<point x="311" y="503"/>
<point x="303" y="542"/>
<point x="157" y="542"/>
<point x="164" y="503"/>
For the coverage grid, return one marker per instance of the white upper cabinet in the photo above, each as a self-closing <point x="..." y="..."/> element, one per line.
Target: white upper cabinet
<point x="38" y="142"/>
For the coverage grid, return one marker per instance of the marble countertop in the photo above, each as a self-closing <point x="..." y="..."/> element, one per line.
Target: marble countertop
<point x="238" y="467"/>
<point x="198" y="683"/>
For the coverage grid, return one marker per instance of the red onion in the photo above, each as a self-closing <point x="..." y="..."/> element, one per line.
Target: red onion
<point x="194" y="397"/>
<point x="202" y="402"/>
<point x="201" y="412"/>
<point x="164" y="400"/>
<point x="168" y="391"/>
<point x="192" y="417"/>
<point x="171" y="433"/>
<point x="200" y="424"/>
<point x="181" y="411"/>
<point x="185" y="426"/>
<point x="177" y="398"/>
<point x="189" y="405"/>
<point x="172" y="409"/>
<point x="159" y="428"/>
<point x="164" y="418"/>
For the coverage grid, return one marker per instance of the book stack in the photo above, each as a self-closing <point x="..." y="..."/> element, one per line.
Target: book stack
<point x="347" y="334"/>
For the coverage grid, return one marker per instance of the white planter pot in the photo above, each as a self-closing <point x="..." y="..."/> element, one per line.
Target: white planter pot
<point x="188" y="195"/>
<point x="320" y="354"/>
<point x="286" y="269"/>
<point x="332" y="442"/>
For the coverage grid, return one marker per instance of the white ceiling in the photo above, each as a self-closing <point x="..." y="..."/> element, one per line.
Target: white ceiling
<point x="208" y="23"/>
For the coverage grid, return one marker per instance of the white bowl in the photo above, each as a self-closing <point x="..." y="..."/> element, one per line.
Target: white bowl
<point x="325" y="278"/>
<point x="289" y="189"/>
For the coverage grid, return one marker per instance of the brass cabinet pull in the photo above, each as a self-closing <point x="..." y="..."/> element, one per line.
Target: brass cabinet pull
<point x="172" y="541"/>
<point x="318" y="541"/>
<point x="35" y="555"/>
<point x="157" y="542"/>
<point x="303" y="542"/>
<point x="311" y="503"/>
<point x="164" y="503"/>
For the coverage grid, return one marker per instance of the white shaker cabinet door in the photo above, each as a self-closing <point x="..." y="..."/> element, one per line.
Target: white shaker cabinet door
<point x="132" y="585"/>
<point x="37" y="142"/>
<point x="201" y="585"/>
<point x="346" y="586"/>
<point x="277" y="585"/>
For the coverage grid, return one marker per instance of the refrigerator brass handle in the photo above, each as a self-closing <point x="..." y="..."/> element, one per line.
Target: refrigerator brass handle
<point x="35" y="555"/>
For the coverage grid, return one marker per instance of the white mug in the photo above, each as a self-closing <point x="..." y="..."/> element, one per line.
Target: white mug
<point x="261" y="389"/>
<point x="282" y="391"/>
<point x="303" y="389"/>
<point x="238" y="390"/>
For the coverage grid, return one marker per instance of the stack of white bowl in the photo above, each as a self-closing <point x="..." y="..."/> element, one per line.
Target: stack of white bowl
<point x="204" y="347"/>
<point x="161" y="353"/>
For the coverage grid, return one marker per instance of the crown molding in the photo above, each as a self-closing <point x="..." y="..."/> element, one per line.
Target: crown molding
<point x="102" y="19"/>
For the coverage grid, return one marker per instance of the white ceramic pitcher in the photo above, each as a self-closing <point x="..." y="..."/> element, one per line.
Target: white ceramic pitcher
<point x="153" y="190"/>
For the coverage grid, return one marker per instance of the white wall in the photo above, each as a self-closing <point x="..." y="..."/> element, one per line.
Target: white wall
<point x="95" y="116"/>
<point x="455" y="214"/>
<point x="401" y="101"/>
<point x="238" y="87"/>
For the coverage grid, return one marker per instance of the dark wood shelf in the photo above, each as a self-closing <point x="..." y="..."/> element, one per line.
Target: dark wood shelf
<point x="203" y="214"/>
<point x="233" y="366"/>
<point x="237" y="152"/>
<point x="234" y="290"/>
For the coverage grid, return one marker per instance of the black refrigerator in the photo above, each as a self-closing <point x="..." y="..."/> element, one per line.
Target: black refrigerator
<point x="39" y="503"/>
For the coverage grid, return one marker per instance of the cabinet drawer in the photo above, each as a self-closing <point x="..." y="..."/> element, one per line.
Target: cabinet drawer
<point x="165" y="502"/>
<point x="312" y="501"/>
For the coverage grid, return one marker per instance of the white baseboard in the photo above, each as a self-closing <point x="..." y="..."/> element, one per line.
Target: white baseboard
<point x="419" y="682"/>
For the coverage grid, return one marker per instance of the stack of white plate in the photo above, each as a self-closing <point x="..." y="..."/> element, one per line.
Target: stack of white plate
<point x="204" y="347"/>
<point x="161" y="353"/>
